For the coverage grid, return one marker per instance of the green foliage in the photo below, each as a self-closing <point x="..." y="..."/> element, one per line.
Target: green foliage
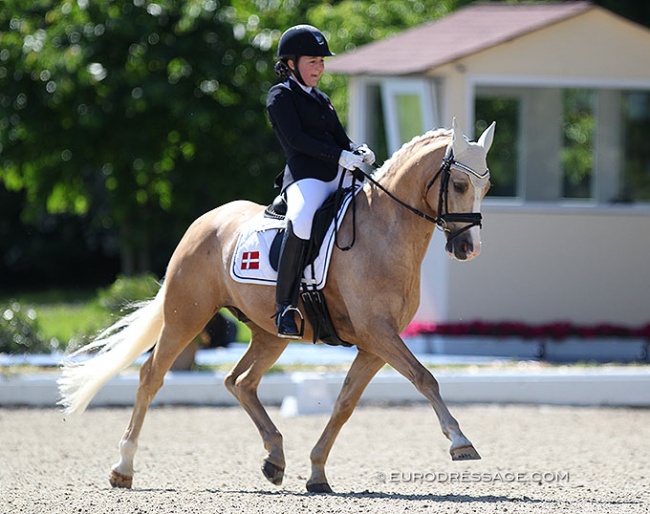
<point x="503" y="153"/>
<point x="126" y="291"/>
<point x="62" y="317"/>
<point x="68" y="324"/>
<point x="19" y="330"/>
<point x="132" y="113"/>
<point x="65" y="319"/>
<point x="635" y="183"/>
<point x="577" y="153"/>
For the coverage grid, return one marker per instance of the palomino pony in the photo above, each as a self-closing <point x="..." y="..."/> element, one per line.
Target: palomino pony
<point x="372" y="293"/>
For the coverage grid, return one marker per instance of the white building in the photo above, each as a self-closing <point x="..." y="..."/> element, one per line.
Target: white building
<point x="567" y="224"/>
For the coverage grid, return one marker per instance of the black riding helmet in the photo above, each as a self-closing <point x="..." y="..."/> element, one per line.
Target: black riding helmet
<point x="297" y="41"/>
<point x="303" y="40"/>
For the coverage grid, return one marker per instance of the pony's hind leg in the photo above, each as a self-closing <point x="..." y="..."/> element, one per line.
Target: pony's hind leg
<point x="263" y="350"/>
<point x="152" y="373"/>
<point x="122" y="472"/>
<point x="363" y="368"/>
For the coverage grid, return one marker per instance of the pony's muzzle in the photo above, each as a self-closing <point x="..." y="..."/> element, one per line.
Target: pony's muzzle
<point x="463" y="247"/>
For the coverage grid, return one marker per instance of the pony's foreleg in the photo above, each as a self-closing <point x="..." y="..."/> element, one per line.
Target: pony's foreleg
<point x="363" y="368"/>
<point x="263" y="350"/>
<point x="397" y="354"/>
<point x="152" y="375"/>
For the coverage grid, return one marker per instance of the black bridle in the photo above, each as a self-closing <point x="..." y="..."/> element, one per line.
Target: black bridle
<point x="471" y="219"/>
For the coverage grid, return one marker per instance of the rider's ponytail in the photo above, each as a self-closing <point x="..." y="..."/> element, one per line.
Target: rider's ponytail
<point x="282" y="69"/>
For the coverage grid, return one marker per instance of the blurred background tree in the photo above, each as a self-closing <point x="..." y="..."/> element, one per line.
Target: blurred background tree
<point x="121" y="121"/>
<point x="133" y="116"/>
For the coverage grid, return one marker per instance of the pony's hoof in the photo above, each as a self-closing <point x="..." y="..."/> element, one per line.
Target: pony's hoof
<point x="464" y="453"/>
<point x="323" y="488"/>
<point x="273" y="473"/>
<point x="119" y="480"/>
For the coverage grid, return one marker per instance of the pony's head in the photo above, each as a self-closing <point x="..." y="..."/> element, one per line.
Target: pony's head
<point x="464" y="181"/>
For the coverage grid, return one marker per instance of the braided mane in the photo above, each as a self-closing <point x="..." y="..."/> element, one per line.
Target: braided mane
<point x="407" y="148"/>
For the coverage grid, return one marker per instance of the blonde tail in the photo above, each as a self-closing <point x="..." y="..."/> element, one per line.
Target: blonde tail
<point x="120" y="345"/>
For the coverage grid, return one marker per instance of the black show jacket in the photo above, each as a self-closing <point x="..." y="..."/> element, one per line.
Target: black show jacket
<point x="309" y="131"/>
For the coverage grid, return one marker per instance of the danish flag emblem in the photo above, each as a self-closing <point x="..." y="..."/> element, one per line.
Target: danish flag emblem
<point x="250" y="260"/>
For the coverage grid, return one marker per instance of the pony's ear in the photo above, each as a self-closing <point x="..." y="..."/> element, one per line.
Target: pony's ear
<point x="487" y="137"/>
<point x="459" y="141"/>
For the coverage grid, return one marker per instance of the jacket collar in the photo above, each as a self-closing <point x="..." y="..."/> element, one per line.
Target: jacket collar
<point x="310" y="92"/>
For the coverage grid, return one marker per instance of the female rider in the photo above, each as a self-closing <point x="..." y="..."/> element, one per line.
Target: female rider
<point x="319" y="154"/>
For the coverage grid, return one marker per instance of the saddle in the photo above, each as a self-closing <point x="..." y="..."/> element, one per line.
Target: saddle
<point x="313" y="299"/>
<point x="323" y="218"/>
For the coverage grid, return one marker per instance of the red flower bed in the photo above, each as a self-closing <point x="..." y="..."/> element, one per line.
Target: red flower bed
<point x="557" y="331"/>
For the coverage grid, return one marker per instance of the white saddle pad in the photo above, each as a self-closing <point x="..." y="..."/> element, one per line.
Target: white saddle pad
<point x="251" y="262"/>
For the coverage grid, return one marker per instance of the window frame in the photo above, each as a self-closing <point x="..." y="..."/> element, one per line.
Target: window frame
<point x="390" y="90"/>
<point x="607" y="169"/>
<point x="360" y="120"/>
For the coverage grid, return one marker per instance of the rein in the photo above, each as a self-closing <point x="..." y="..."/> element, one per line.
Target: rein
<point x="470" y="218"/>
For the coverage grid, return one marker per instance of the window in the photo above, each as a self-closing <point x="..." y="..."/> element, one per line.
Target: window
<point x="409" y="109"/>
<point x="578" y="130"/>
<point x="376" y="129"/>
<point x="635" y="114"/>
<point x="556" y="144"/>
<point x="504" y="154"/>
<point x="409" y="116"/>
<point x="388" y="112"/>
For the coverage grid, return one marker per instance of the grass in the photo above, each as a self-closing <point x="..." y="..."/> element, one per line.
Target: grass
<point x="71" y="316"/>
<point x="63" y="315"/>
<point x="67" y="322"/>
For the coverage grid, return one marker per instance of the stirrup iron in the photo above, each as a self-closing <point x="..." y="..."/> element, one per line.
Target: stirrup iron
<point x="301" y="330"/>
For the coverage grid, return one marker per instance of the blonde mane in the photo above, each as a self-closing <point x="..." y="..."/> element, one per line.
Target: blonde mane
<point x="407" y="148"/>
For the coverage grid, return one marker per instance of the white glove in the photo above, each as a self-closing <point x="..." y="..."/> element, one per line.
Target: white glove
<point x="367" y="154"/>
<point x="350" y="160"/>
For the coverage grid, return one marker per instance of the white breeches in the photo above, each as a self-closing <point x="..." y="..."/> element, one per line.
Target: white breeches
<point x="305" y="197"/>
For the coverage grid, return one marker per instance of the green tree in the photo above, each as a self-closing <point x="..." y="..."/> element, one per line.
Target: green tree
<point x="130" y="110"/>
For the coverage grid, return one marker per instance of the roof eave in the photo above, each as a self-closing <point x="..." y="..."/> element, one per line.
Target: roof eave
<point x="430" y="66"/>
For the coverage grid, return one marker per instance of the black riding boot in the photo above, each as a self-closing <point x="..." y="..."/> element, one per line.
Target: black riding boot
<point x="290" y="270"/>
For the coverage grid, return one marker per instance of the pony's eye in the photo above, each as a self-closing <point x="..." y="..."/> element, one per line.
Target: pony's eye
<point x="460" y="187"/>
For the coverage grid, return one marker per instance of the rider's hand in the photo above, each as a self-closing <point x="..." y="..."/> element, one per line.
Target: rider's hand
<point x="366" y="153"/>
<point x="350" y="160"/>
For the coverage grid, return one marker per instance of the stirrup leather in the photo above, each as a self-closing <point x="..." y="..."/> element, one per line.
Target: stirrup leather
<point x="281" y="315"/>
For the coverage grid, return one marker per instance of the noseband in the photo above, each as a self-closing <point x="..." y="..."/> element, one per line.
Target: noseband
<point x="471" y="219"/>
